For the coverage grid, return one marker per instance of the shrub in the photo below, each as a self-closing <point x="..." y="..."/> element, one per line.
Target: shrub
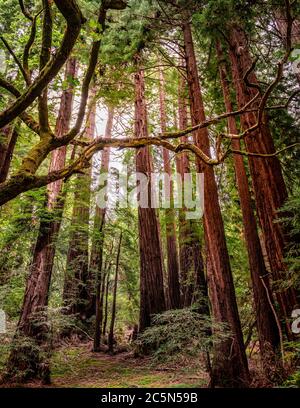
<point x="181" y="333"/>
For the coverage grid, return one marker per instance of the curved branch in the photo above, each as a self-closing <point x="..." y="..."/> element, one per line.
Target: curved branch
<point x="16" y="59"/>
<point x="25" y="11"/>
<point x="24" y="181"/>
<point x="246" y="76"/>
<point x="87" y="78"/>
<point x="280" y="65"/>
<point x="74" y="19"/>
<point x="26" y="118"/>
<point x="28" y="46"/>
<point x="263" y="155"/>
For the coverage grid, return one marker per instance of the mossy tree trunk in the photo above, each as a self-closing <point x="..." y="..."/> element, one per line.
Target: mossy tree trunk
<point x="37" y="286"/>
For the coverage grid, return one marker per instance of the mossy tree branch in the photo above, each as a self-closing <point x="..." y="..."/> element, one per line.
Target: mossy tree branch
<point x="26" y="180"/>
<point x="74" y="18"/>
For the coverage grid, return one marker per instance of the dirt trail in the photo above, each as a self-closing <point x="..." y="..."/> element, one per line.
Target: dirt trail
<point x="78" y="366"/>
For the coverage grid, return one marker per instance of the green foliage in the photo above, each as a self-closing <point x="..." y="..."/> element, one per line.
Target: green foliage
<point x="294" y="380"/>
<point x="177" y="334"/>
<point x="11" y="295"/>
<point x="290" y="215"/>
<point x="293" y="354"/>
<point x="127" y="35"/>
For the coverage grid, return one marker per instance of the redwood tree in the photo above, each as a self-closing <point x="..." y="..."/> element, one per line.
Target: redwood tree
<point x="193" y="279"/>
<point x="263" y="300"/>
<point x="282" y="23"/>
<point x="230" y="366"/>
<point x="38" y="282"/>
<point x="97" y="275"/>
<point x="152" y="299"/>
<point x="114" y="300"/>
<point x="75" y="295"/>
<point x="266" y="174"/>
<point x="173" y="266"/>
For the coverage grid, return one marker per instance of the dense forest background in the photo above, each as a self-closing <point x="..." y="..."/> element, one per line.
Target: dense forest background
<point x="129" y="296"/>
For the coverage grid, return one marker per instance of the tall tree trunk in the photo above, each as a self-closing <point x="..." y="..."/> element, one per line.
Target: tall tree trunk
<point x="172" y="255"/>
<point x="99" y="220"/>
<point x="96" y="267"/>
<point x="281" y="22"/>
<point x="230" y="363"/>
<point x="105" y="305"/>
<point x="99" y="311"/>
<point x="268" y="333"/>
<point x="114" y="301"/>
<point x="76" y="294"/>
<point x="37" y="286"/>
<point x="152" y="299"/>
<point x="190" y="254"/>
<point x="267" y="180"/>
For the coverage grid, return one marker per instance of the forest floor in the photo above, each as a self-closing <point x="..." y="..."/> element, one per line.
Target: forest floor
<point x="78" y="366"/>
<point x="75" y="365"/>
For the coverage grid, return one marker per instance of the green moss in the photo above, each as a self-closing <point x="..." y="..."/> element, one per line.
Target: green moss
<point x="79" y="367"/>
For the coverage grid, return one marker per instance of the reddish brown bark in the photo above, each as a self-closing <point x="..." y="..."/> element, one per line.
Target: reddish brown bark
<point x="99" y="303"/>
<point x="36" y="295"/>
<point x="267" y="180"/>
<point x="99" y="219"/>
<point x="114" y="301"/>
<point x="105" y="305"/>
<point x="230" y="363"/>
<point x="190" y="251"/>
<point x="37" y="287"/>
<point x="96" y="267"/>
<point x="172" y="254"/>
<point x="152" y="299"/>
<point x="268" y="333"/>
<point x="76" y="295"/>
<point x="281" y="23"/>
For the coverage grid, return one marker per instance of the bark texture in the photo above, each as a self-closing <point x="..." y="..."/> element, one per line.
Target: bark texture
<point x="268" y="333"/>
<point x="230" y="366"/>
<point x="76" y="291"/>
<point x="266" y="174"/>
<point x="37" y="286"/>
<point x="281" y="23"/>
<point x="192" y="277"/>
<point x="114" y="300"/>
<point x="97" y="273"/>
<point x="152" y="299"/>
<point x="172" y="254"/>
